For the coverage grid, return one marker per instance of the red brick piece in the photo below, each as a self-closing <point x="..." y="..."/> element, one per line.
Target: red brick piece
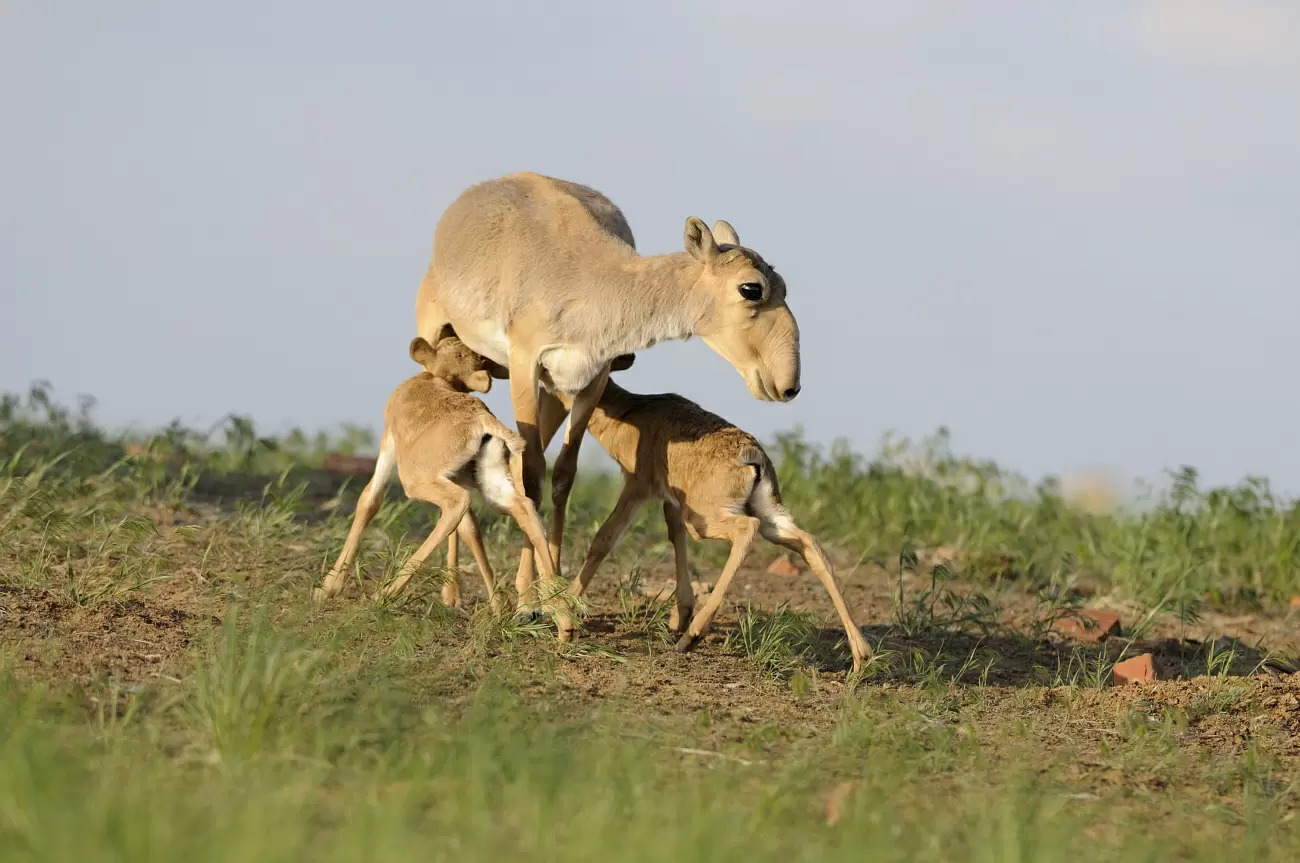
<point x="783" y="566"/>
<point x="1089" y="625"/>
<point x="1136" y="670"/>
<point x="349" y="465"/>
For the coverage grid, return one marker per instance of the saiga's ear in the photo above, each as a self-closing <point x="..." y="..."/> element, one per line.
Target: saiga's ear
<point x="479" y="381"/>
<point x="699" y="241"/>
<point x="422" y="352"/>
<point x="724" y="234"/>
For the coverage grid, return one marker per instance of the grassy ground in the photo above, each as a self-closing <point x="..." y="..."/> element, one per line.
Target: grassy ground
<point x="167" y="691"/>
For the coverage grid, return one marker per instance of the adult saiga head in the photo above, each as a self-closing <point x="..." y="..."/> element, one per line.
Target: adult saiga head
<point x="747" y="321"/>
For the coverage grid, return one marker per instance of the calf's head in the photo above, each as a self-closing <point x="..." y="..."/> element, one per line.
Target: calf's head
<point x="453" y="361"/>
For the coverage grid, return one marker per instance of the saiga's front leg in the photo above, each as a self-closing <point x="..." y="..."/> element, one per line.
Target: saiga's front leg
<point x="629" y="501"/>
<point x="741" y="530"/>
<point x="566" y="463"/>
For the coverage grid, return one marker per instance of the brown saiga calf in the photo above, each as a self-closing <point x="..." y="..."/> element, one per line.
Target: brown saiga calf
<point x="715" y="481"/>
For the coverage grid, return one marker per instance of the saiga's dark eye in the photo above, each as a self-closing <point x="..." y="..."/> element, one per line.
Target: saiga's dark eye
<point x="752" y="291"/>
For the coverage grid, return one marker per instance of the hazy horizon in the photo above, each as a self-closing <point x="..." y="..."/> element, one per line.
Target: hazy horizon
<point x="1068" y="234"/>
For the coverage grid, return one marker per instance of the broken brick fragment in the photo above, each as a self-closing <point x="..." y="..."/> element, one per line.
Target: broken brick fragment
<point x="1139" y="669"/>
<point x="349" y="465"/>
<point x="783" y="566"/>
<point x="1089" y="625"/>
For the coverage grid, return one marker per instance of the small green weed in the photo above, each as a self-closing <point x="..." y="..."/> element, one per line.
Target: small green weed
<point x="776" y="643"/>
<point x="640" y="614"/>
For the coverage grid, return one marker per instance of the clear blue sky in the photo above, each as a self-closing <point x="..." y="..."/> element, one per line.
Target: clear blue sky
<point x="1070" y="232"/>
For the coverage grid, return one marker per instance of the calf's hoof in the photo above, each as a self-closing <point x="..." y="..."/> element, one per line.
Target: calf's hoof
<point x="687" y="642"/>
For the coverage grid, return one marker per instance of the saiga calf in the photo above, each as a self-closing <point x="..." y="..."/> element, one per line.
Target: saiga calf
<point x="715" y="481"/>
<point x="443" y="442"/>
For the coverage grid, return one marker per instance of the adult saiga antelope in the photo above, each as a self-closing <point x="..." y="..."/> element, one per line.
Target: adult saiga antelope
<point x="542" y="277"/>
<point x="715" y="481"/>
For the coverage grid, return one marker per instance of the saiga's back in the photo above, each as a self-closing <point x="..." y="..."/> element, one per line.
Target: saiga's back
<point x="503" y="242"/>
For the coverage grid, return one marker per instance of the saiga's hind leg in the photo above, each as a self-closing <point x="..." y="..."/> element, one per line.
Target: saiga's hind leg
<point x="784" y="532"/>
<point x="372" y="497"/>
<point x="468" y="531"/>
<point x="453" y="503"/>
<point x="684" y="606"/>
<point x="741" y="530"/>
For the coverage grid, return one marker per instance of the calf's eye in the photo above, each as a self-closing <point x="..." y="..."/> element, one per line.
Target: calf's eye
<point x="751" y="291"/>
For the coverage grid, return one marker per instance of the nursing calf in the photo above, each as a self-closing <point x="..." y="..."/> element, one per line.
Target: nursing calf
<point x="442" y="441"/>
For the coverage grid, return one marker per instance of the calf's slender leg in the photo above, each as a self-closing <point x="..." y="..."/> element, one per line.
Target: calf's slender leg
<point x="606" y="538"/>
<point x="684" y="606"/>
<point x="741" y="530"/>
<point x="372" y="497"/>
<point x="784" y="532"/>
<point x="468" y="530"/>
<point x="453" y="501"/>
<point x="451" y="590"/>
